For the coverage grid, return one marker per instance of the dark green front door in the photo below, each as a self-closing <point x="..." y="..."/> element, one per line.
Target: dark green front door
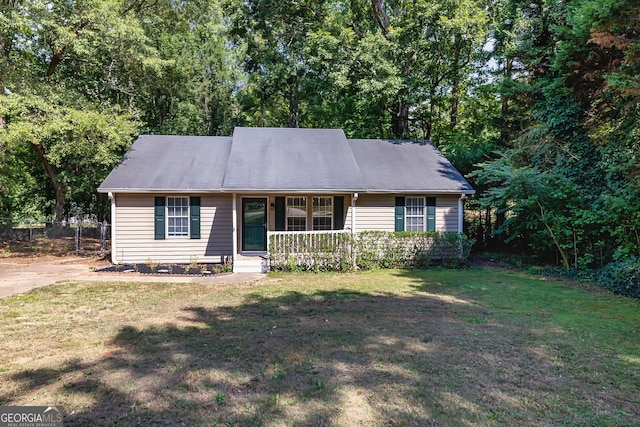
<point x="254" y="225"/>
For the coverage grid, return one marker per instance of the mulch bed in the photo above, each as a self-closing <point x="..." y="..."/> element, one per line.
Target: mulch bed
<point x="167" y="269"/>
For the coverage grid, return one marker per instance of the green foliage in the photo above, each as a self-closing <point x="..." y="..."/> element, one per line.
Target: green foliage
<point x="367" y="250"/>
<point x="566" y="180"/>
<point x="374" y="69"/>
<point x="537" y="101"/>
<point x="86" y="77"/>
<point x="311" y="252"/>
<point x="621" y="277"/>
<point x="80" y="143"/>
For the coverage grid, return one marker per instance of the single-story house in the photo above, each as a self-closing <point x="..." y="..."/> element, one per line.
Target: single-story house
<point x="176" y="199"/>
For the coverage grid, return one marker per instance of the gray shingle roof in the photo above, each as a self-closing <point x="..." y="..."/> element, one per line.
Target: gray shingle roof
<point x="283" y="159"/>
<point x="397" y="166"/>
<point x="291" y="159"/>
<point x="162" y="163"/>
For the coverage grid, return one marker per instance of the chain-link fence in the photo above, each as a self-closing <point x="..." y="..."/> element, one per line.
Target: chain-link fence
<point x="41" y="232"/>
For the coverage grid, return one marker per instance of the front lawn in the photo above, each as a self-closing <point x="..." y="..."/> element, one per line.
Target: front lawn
<point x="427" y="347"/>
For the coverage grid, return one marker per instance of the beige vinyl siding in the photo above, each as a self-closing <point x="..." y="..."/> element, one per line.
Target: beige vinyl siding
<point x="377" y="212"/>
<point x="135" y="231"/>
<point x="447" y="213"/>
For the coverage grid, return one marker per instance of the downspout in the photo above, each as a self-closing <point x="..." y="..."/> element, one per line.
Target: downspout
<point x="114" y="258"/>
<point x="234" y="226"/>
<point x="354" y="255"/>
<point x="461" y="213"/>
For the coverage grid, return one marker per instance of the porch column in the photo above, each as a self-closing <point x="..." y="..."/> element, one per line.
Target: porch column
<point x="114" y="258"/>
<point x="354" y="249"/>
<point x="461" y="213"/>
<point x="234" y="222"/>
<point x="353" y="212"/>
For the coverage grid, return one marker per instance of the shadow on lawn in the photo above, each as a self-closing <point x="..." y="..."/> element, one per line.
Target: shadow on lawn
<point x="328" y="358"/>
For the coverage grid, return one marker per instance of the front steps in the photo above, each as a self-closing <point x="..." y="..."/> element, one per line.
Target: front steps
<point x="251" y="264"/>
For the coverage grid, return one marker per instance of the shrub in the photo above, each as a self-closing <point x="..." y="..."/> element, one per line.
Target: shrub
<point x="306" y="252"/>
<point x="367" y="250"/>
<point x="622" y="277"/>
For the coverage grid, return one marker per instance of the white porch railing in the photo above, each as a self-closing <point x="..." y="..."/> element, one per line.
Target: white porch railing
<point x="303" y="241"/>
<point x="310" y="248"/>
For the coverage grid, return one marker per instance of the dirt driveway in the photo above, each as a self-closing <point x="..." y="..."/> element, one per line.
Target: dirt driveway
<point x="21" y="275"/>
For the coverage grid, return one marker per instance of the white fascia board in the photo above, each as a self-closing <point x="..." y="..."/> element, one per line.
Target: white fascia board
<point x="280" y="191"/>
<point x="158" y="190"/>
<point x="442" y="192"/>
<point x="292" y="191"/>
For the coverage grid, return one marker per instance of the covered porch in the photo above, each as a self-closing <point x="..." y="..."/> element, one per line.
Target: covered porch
<point x="257" y="218"/>
<point x="281" y="224"/>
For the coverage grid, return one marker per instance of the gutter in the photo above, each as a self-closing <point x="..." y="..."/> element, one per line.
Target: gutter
<point x="278" y="191"/>
<point x="160" y="190"/>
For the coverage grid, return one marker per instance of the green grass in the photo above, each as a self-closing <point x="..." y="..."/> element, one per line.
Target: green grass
<point x="425" y="347"/>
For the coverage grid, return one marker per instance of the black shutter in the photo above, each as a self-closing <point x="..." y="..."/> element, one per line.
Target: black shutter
<point x="194" y="217"/>
<point x="399" y="214"/>
<point x="431" y="214"/>
<point x="158" y="219"/>
<point x="280" y="214"/>
<point x="338" y="213"/>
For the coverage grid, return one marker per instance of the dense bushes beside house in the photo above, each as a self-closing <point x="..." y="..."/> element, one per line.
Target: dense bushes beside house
<point x="621" y="277"/>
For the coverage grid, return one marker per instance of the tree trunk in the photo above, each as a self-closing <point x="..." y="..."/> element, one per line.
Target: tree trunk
<point x="565" y="259"/>
<point x="501" y="217"/>
<point x="294" y="102"/>
<point x="400" y="121"/>
<point x="59" y="187"/>
<point x="453" y="120"/>
<point x="59" y="55"/>
<point x="55" y="60"/>
<point x="455" y="84"/>
<point x="381" y="15"/>
<point x="432" y="111"/>
<point x="504" y="112"/>
<point x="486" y="237"/>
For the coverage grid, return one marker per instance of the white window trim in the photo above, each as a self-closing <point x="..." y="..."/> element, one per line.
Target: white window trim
<point x="188" y="216"/>
<point x="306" y="212"/>
<point x="330" y="212"/>
<point x="423" y="205"/>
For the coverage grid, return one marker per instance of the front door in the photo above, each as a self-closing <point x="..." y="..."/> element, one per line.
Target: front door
<point x="254" y="224"/>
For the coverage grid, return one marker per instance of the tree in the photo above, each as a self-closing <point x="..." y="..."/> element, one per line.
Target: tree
<point x="570" y="58"/>
<point x="85" y="75"/>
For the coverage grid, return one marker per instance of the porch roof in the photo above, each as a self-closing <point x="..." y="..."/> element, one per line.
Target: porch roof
<point x="281" y="159"/>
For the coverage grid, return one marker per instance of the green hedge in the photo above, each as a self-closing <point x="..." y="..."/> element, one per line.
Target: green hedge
<point x="311" y="252"/>
<point x="368" y="250"/>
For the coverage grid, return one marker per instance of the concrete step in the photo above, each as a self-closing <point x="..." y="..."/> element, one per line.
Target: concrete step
<point x="255" y="264"/>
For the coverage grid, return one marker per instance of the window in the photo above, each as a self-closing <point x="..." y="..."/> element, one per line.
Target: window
<point x="296" y="213"/>
<point x="322" y="213"/>
<point x="414" y="214"/>
<point x="177" y="216"/>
